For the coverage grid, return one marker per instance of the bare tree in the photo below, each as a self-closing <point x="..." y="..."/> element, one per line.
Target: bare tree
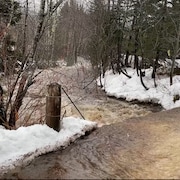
<point x="176" y="52"/>
<point x="27" y="75"/>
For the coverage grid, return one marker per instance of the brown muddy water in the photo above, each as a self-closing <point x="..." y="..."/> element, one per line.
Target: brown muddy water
<point x="107" y="110"/>
<point x="103" y="153"/>
<point x="131" y="142"/>
<point x="138" y="148"/>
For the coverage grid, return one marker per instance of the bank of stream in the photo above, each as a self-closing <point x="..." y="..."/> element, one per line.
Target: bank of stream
<point x="138" y="148"/>
<point x="117" y="149"/>
<point x="94" y="156"/>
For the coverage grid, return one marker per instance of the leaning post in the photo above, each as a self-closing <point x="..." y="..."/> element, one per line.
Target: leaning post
<point x="53" y="106"/>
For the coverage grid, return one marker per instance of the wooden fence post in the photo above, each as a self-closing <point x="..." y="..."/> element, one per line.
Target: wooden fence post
<point x="53" y="106"/>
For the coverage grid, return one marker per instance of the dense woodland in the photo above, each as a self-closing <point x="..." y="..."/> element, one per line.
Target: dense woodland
<point x="111" y="34"/>
<point x="147" y="30"/>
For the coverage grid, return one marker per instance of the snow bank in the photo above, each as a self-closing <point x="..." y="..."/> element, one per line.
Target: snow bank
<point x="24" y="144"/>
<point x="121" y="86"/>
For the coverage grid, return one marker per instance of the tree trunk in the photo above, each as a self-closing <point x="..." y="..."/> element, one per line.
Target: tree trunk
<point x="175" y="54"/>
<point x="155" y="63"/>
<point x="18" y="101"/>
<point x="129" y="43"/>
<point x="141" y="77"/>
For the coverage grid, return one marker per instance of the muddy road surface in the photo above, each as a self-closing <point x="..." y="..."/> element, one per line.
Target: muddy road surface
<point x="144" y="147"/>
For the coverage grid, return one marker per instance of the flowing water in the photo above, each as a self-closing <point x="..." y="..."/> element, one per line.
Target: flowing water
<point x="102" y="154"/>
<point x="139" y="148"/>
<point x="92" y="102"/>
<point x="106" y="110"/>
<point x="117" y="149"/>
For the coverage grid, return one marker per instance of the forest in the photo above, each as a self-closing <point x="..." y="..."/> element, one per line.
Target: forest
<point x="110" y="34"/>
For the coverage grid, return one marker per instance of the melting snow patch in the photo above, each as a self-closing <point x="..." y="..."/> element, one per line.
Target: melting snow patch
<point x="24" y="144"/>
<point x="131" y="89"/>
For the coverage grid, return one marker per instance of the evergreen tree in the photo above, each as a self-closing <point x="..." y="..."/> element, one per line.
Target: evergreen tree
<point x="10" y="12"/>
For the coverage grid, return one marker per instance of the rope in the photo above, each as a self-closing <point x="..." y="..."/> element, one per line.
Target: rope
<point x="51" y="116"/>
<point x="63" y="115"/>
<point x="73" y="103"/>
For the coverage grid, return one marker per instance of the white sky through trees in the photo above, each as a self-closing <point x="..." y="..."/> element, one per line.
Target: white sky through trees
<point x="36" y="3"/>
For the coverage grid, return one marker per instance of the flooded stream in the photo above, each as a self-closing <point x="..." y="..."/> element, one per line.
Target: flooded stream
<point x="102" y="154"/>
<point x="115" y="150"/>
<point x="106" y="110"/>
<point x="139" y="148"/>
<point x="92" y="102"/>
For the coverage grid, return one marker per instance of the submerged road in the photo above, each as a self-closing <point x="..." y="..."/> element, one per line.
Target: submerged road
<point x="142" y="147"/>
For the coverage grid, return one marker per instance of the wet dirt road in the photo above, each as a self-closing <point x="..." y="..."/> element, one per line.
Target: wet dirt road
<point x="144" y="147"/>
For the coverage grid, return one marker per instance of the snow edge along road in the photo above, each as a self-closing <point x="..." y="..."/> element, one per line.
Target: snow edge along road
<point x="19" y="147"/>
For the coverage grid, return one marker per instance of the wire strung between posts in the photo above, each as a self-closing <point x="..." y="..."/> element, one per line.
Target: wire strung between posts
<point x="52" y="116"/>
<point x="73" y="103"/>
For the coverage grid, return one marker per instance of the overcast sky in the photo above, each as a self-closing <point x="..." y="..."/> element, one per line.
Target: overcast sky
<point x="35" y="3"/>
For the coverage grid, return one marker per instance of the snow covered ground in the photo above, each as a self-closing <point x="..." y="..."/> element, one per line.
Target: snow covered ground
<point x="131" y="89"/>
<point x="24" y="144"/>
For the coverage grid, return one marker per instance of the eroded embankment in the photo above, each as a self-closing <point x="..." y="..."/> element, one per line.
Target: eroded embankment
<point x="143" y="147"/>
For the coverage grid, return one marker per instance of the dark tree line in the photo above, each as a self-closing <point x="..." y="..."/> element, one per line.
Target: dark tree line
<point x="144" y="30"/>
